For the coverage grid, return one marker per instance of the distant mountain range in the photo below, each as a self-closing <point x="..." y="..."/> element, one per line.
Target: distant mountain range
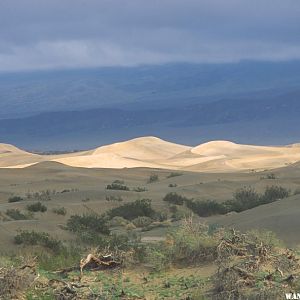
<point x="255" y="102"/>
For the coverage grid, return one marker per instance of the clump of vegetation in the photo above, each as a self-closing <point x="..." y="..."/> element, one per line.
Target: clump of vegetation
<point x="33" y="238"/>
<point x="88" y="223"/>
<point x="37" y="207"/>
<point x="114" y="198"/>
<point x="269" y="176"/>
<point x="265" y="274"/>
<point x="171" y="185"/>
<point x="117" y="185"/>
<point x="248" y="198"/>
<point x="118" y="221"/>
<point x="273" y="193"/>
<point x="250" y="265"/>
<point x="140" y="222"/>
<point x="190" y="244"/>
<point x="243" y="199"/>
<point x="140" y="189"/>
<point x="15" y="199"/>
<point x="206" y="208"/>
<point x="176" y="213"/>
<point x="174" y="174"/>
<point x="153" y="178"/>
<point x="174" y="198"/>
<point x="60" y="211"/>
<point x="132" y="210"/>
<point x="42" y="195"/>
<point x="16" y="214"/>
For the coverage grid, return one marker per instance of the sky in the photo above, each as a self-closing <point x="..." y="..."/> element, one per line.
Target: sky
<point x="62" y="34"/>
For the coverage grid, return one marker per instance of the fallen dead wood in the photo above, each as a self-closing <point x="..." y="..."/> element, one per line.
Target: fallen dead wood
<point x="92" y="262"/>
<point x="64" y="290"/>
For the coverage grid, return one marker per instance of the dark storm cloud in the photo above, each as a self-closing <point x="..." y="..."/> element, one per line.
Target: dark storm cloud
<point x="37" y="34"/>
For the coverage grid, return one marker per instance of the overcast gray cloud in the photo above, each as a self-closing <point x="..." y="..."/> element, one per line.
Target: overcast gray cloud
<point x="43" y="34"/>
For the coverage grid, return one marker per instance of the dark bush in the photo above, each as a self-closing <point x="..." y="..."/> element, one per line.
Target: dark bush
<point x="117" y="185"/>
<point x="114" y="198"/>
<point x="15" y="199"/>
<point x="206" y="208"/>
<point x="172" y="185"/>
<point x="89" y="223"/>
<point x="16" y="214"/>
<point x="273" y="193"/>
<point x="60" y="211"/>
<point x="174" y="198"/>
<point x="32" y="238"/>
<point x="37" y="207"/>
<point x="132" y="210"/>
<point x="153" y="178"/>
<point x="244" y="198"/>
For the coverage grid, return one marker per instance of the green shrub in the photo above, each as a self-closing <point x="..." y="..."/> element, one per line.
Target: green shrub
<point x="142" y="221"/>
<point x="191" y="244"/>
<point x="32" y="238"/>
<point x="37" y="207"/>
<point x="206" y="208"/>
<point x="247" y="197"/>
<point x="158" y="258"/>
<point x="175" y="198"/>
<point x="118" y="221"/>
<point x="274" y="193"/>
<point x="15" y="199"/>
<point x="16" y="214"/>
<point x="244" y="198"/>
<point x="153" y="178"/>
<point x="60" y="211"/>
<point x="160" y="216"/>
<point x="89" y="223"/>
<point x="176" y="214"/>
<point x="117" y="185"/>
<point x="132" y="210"/>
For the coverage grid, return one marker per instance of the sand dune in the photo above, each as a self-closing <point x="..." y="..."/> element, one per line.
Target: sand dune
<point x="152" y="152"/>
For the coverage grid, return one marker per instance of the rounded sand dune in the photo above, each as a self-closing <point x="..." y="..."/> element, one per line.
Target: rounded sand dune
<point x="152" y="152"/>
